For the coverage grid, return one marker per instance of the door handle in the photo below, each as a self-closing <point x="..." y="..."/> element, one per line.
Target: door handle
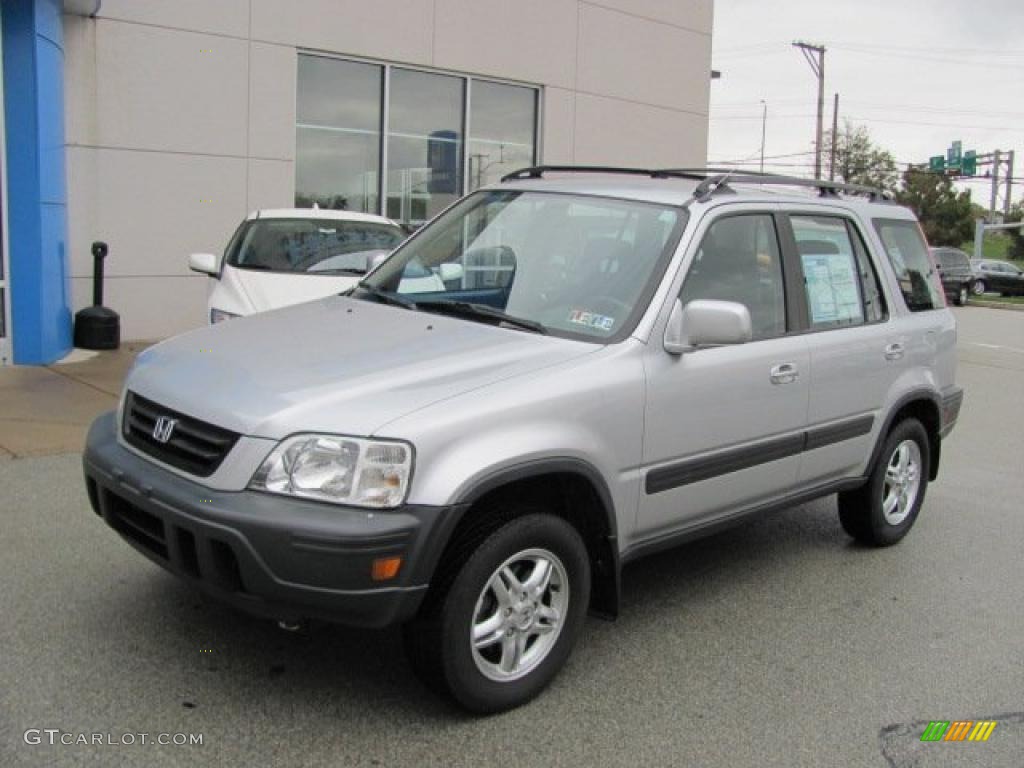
<point x="894" y="351"/>
<point x="784" y="373"/>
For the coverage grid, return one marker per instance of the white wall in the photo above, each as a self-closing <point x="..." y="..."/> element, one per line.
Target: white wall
<point x="180" y="116"/>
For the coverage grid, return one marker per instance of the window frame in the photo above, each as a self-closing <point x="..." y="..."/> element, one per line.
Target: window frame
<point x="465" y="123"/>
<point x="790" y="308"/>
<point x="861" y="253"/>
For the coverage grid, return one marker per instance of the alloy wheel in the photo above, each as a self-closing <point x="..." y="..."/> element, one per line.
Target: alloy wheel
<point x="519" y="615"/>
<point x="902" y="482"/>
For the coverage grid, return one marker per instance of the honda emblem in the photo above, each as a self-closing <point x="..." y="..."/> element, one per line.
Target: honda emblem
<point x="163" y="429"/>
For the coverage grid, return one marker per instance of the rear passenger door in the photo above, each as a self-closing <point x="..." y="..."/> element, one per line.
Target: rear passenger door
<point x="856" y="354"/>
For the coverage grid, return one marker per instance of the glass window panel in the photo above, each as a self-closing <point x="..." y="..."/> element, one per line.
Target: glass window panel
<point x="831" y="279"/>
<point x="739" y="260"/>
<point x="337" y="154"/>
<point x="908" y="254"/>
<point x="424" y="144"/>
<point x="502" y="122"/>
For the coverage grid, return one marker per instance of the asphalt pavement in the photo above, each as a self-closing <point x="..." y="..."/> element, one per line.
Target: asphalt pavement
<point x="777" y="643"/>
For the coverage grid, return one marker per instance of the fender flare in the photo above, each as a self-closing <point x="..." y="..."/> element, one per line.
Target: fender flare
<point x="606" y="572"/>
<point x="934" y="441"/>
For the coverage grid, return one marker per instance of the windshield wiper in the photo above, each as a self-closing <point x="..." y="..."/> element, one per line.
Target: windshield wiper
<point x="469" y="309"/>
<point x="337" y="271"/>
<point x="387" y="298"/>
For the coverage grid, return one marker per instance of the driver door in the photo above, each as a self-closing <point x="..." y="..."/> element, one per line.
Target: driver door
<point x="724" y="425"/>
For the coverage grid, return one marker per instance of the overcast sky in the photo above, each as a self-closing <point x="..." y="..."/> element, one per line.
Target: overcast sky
<point x="917" y="73"/>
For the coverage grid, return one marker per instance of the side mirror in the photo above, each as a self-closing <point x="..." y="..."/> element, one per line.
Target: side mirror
<point x="450" y="271"/>
<point x="207" y="263"/>
<point x="376" y="260"/>
<point x="705" y="322"/>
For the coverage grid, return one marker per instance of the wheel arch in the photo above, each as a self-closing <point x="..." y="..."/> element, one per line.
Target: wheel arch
<point x="924" y="405"/>
<point x="577" y="492"/>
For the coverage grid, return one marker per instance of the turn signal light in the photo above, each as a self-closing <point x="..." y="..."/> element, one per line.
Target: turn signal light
<point x="386" y="568"/>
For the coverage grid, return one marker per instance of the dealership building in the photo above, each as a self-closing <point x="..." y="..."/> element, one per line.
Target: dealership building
<point x="157" y="125"/>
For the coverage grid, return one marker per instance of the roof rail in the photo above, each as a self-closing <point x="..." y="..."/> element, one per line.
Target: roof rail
<point x="537" y="171"/>
<point x="712" y="184"/>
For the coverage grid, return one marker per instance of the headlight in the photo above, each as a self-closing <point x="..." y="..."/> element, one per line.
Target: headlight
<point x="219" y="316"/>
<point x="343" y="470"/>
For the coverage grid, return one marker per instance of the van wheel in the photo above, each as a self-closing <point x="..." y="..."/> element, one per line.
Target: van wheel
<point x="497" y="627"/>
<point x="961" y="297"/>
<point x="882" y="511"/>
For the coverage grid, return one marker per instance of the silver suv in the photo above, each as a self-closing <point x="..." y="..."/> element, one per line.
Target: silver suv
<point x="627" y="359"/>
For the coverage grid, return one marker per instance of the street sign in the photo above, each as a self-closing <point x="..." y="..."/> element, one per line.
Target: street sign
<point x="953" y="156"/>
<point x="969" y="166"/>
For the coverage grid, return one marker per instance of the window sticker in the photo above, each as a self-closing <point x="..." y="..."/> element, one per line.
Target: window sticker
<point x="591" y="319"/>
<point x="832" y="289"/>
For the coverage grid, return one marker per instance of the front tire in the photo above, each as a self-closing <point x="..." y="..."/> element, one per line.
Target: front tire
<point x="979" y="287"/>
<point x="883" y="511"/>
<point x="961" y="297"/>
<point x="498" y="627"/>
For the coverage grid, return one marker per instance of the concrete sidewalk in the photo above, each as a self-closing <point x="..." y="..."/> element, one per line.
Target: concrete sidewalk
<point x="46" y="410"/>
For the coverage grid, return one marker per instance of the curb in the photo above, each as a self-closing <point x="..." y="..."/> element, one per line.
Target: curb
<point x="996" y="305"/>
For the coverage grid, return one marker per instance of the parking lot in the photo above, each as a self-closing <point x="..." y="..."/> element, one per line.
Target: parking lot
<point x="777" y="643"/>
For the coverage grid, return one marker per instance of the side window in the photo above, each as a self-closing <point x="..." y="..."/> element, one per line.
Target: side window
<point x="841" y="285"/>
<point x="739" y="260"/>
<point x="908" y="254"/>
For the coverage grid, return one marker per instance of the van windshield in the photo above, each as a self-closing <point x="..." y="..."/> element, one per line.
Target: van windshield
<point x="575" y="266"/>
<point x="313" y="245"/>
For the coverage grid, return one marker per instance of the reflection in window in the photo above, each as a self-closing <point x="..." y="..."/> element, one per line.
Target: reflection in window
<point x="341" y="145"/>
<point x="502" y="125"/>
<point x="424" y="144"/>
<point x="337" y="134"/>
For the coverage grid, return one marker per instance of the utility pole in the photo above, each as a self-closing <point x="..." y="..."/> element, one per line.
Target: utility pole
<point x="1009" y="183"/>
<point x="835" y="130"/>
<point x="996" y="160"/>
<point x="818" y="67"/>
<point x="764" y="123"/>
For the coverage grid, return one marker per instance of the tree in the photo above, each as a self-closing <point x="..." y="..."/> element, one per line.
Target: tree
<point x="1016" y="249"/>
<point x="859" y="160"/>
<point x="946" y="216"/>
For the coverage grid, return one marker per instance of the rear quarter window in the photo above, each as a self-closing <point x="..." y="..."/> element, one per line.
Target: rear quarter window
<point x="907" y="252"/>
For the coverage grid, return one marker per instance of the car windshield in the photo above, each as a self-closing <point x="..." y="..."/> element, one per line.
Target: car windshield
<point x="312" y="245"/>
<point x="572" y="265"/>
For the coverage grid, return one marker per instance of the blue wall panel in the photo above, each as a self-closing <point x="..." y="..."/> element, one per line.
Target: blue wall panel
<point x="33" y="71"/>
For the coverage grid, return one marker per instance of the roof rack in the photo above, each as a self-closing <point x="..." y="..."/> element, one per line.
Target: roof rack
<point x="713" y="184"/>
<point x="711" y="179"/>
<point x="538" y="171"/>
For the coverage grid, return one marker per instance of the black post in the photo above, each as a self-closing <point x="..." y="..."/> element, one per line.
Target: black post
<point x="97" y="327"/>
<point x="99" y="253"/>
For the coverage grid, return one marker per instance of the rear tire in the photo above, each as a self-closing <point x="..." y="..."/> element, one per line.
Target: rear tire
<point x="490" y="638"/>
<point x="883" y="510"/>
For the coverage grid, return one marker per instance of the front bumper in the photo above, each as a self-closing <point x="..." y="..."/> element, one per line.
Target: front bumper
<point x="268" y="555"/>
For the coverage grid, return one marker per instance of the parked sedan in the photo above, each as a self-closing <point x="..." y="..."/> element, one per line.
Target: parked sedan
<point x="998" y="276"/>
<point x="955" y="271"/>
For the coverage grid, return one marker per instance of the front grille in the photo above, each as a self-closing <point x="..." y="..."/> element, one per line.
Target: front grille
<point x="194" y="446"/>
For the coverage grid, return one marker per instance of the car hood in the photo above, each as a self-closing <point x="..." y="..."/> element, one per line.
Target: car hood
<point x="335" y="365"/>
<point x="272" y="290"/>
